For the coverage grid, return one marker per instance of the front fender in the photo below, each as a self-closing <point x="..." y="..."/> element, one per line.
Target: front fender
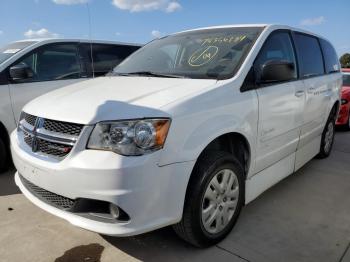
<point x="200" y="120"/>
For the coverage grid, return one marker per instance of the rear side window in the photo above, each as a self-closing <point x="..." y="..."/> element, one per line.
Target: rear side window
<point x="106" y="56"/>
<point x="309" y="55"/>
<point x="330" y="57"/>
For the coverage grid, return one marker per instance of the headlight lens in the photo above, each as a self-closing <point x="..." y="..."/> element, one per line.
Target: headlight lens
<point x="344" y="101"/>
<point x="130" y="138"/>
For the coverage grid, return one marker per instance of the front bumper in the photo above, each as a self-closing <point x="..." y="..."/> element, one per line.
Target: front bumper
<point x="151" y="195"/>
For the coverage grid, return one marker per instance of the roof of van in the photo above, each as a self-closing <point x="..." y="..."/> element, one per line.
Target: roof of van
<point x="54" y="40"/>
<point x="272" y="26"/>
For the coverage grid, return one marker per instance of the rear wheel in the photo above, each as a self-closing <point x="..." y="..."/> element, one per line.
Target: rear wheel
<point x="327" y="137"/>
<point x="3" y="155"/>
<point x="214" y="199"/>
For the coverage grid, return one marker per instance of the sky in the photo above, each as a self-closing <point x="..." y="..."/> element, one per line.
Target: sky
<point x="140" y="21"/>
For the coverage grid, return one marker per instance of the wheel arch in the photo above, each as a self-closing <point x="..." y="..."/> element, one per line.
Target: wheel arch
<point x="336" y="106"/>
<point x="234" y="143"/>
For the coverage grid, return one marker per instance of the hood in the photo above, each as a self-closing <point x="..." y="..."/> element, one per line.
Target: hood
<point x="114" y="98"/>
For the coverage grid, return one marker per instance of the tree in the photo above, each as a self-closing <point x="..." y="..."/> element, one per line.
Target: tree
<point x="345" y="60"/>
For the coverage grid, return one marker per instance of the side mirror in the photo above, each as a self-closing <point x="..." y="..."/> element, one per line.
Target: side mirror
<point x="277" y="71"/>
<point x="20" y="71"/>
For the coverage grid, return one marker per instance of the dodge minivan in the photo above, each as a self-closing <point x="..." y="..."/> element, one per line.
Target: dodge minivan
<point x="30" y="68"/>
<point x="184" y="132"/>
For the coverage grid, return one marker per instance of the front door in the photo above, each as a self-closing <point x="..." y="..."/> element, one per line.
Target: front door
<point x="280" y="105"/>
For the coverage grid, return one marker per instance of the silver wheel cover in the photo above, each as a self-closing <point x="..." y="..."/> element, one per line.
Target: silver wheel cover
<point x="328" y="139"/>
<point x="220" y="201"/>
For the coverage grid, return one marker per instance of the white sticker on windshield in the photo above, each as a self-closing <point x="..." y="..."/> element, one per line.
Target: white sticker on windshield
<point x="11" y="51"/>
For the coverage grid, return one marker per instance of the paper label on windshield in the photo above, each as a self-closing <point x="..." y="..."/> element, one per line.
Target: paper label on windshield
<point x="11" y="51"/>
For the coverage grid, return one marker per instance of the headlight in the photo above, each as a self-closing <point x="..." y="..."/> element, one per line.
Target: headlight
<point x="130" y="138"/>
<point x="344" y="101"/>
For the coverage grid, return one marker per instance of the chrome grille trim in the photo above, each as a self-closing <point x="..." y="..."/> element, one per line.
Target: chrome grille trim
<point x="26" y="126"/>
<point x="56" y="137"/>
<point x="49" y="142"/>
<point x="50" y="136"/>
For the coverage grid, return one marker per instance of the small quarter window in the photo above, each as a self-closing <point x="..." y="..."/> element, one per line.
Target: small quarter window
<point x="330" y="57"/>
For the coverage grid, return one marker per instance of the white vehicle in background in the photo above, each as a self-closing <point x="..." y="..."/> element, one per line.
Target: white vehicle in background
<point x="184" y="132"/>
<point x="30" y="68"/>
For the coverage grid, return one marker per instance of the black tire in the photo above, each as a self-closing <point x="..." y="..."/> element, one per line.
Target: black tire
<point x="325" y="151"/>
<point x="191" y="227"/>
<point x="3" y="156"/>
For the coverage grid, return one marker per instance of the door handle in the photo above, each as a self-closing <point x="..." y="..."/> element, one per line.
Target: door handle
<point x="299" y="93"/>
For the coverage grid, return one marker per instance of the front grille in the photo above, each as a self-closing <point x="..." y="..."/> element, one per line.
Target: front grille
<point x="28" y="139"/>
<point x="63" y="127"/>
<point x="50" y="198"/>
<point x="50" y="137"/>
<point x="48" y="147"/>
<point x="54" y="149"/>
<point x="30" y="119"/>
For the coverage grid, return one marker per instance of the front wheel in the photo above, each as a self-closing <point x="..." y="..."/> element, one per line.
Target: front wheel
<point x="327" y="138"/>
<point x="214" y="199"/>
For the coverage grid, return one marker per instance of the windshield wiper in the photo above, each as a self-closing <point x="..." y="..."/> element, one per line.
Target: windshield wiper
<point x="149" y="73"/>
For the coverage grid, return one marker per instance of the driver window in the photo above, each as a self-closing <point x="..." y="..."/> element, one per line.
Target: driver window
<point x="53" y="62"/>
<point x="277" y="47"/>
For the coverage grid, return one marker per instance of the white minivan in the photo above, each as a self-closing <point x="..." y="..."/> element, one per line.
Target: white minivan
<point x="184" y="132"/>
<point x="30" y="68"/>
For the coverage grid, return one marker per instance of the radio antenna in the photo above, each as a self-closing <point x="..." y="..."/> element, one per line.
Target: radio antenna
<point x="90" y="37"/>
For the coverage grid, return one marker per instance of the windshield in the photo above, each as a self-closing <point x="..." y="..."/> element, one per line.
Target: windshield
<point x="209" y="53"/>
<point x="11" y="49"/>
<point x="346" y="79"/>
